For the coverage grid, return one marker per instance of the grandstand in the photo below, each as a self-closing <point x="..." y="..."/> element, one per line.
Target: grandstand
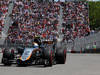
<point x="31" y="19"/>
<point x="77" y="15"/>
<point x="3" y="13"/>
<point x="9" y="7"/>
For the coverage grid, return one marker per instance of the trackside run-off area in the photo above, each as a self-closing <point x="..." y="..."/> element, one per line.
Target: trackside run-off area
<point x="77" y="64"/>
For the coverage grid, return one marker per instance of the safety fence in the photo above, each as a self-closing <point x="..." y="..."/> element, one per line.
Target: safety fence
<point x="90" y="43"/>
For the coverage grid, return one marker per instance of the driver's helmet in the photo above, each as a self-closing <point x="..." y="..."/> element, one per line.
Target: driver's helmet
<point x="35" y="45"/>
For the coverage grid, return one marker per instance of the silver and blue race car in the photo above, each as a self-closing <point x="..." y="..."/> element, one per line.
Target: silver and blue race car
<point x="46" y="53"/>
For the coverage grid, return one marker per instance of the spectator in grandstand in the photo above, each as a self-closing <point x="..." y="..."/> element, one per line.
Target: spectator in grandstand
<point x="77" y="14"/>
<point x="92" y="31"/>
<point x="3" y="12"/>
<point x="34" y="19"/>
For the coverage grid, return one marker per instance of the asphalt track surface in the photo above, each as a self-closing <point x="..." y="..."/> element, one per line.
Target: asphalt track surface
<point x="77" y="64"/>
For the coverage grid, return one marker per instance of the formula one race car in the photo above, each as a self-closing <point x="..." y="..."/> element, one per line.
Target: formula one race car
<point x="39" y="52"/>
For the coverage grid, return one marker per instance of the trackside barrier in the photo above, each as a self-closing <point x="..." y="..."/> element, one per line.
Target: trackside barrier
<point x="89" y="44"/>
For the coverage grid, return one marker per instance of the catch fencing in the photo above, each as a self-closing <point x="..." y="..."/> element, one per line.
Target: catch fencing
<point x="90" y="43"/>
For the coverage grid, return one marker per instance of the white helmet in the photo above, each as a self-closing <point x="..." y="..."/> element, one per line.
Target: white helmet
<point x="35" y="45"/>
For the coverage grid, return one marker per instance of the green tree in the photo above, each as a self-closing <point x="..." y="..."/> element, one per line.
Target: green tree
<point x="94" y="14"/>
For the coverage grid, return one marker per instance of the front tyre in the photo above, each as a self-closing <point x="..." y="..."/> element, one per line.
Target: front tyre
<point x="8" y="56"/>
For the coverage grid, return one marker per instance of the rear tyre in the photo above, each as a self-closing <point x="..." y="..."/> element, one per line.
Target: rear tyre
<point x="8" y="55"/>
<point x="61" y="56"/>
<point x="48" y="58"/>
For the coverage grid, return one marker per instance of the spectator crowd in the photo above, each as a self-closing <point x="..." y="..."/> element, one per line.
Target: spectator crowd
<point x="30" y="19"/>
<point x="3" y="12"/>
<point x="34" y="19"/>
<point x="76" y="15"/>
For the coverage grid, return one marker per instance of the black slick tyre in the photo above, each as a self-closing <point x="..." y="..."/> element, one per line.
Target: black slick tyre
<point x="61" y="56"/>
<point x="8" y="55"/>
<point x="48" y="56"/>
